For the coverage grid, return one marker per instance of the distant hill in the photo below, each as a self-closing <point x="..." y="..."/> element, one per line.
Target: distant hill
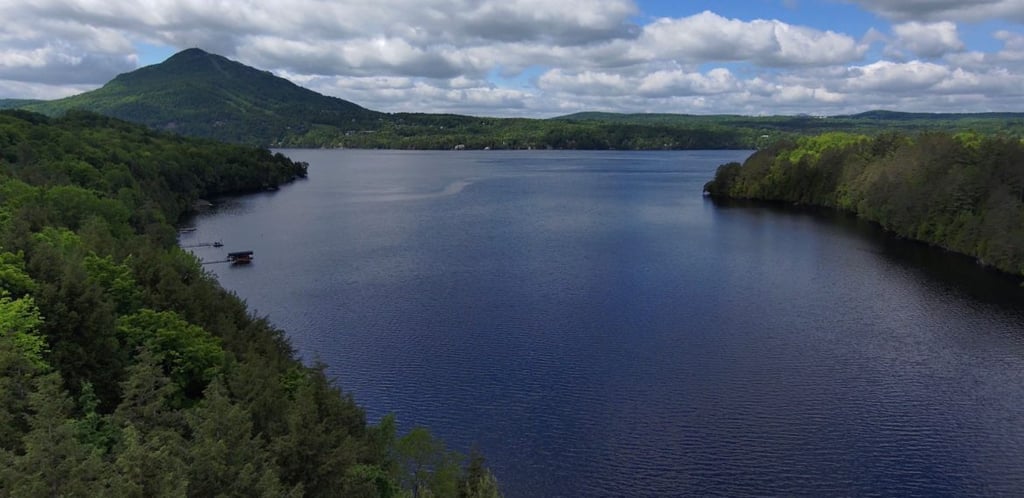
<point x="935" y="116"/>
<point x="16" y="103"/>
<point x="798" y="120"/>
<point x="196" y="93"/>
<point x="866" y="122"/>
<point x="622" y="117"/>
<point x="201" y="94"/>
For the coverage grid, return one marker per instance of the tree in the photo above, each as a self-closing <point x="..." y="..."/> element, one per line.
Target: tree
<point x="148" y="465"/>
<point x="225" y="457"/>
<point x="427" y="468"/>
<point x="146" y="395"/>
<point x="55" y="462"/>
<point x="190" y="356"/>
<point x="21" y="361"/>
<point x="478" y="481"/>
<point x="19" y="323"/>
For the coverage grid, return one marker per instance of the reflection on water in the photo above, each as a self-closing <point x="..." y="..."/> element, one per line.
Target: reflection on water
<point x="393" y="195"/>
<point x="956" y="273"/>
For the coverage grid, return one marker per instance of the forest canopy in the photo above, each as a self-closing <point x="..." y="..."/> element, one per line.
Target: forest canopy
<point x="126" y="370"/>
<point x="963" y="192"/>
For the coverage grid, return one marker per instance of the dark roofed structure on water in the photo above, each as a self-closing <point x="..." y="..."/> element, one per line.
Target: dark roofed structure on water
<point x="240" y="257"/>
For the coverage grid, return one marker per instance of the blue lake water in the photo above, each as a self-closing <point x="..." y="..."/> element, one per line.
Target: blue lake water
<point x="598" y="328"/>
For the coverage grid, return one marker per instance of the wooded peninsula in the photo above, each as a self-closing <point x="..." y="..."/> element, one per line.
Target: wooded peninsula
<point x="126" y="370"/>
<point x="963" y="192"/>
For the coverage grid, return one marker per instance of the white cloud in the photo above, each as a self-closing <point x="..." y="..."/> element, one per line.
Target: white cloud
<point x="710" y="37"/>
<point x="56" y="64"/>
<point x="585" y="83"/>
<point x="535" y="57"/>
<point x="947" y="10"/>
<point x="21" y="89"/>
<point x="60" y="51"/>
<point x="1013" y="46"/>
<point x="998" y="82"/>
<point x="678" y="82"/>
<point x="659" y="83"/>
<point x="892" y="77"/>
<point x="398" y="94"/>
<point x="928" y="40"/>
<point x="1011" y="55"/>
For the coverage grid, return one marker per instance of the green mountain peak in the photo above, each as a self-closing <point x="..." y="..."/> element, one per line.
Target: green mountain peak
<point x="201" y="94"/>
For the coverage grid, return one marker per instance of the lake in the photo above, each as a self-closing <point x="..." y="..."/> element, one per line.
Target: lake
<point x="598" y="328"/>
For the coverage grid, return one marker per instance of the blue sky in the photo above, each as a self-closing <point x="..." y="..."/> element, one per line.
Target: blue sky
<point x="543" y="58"/>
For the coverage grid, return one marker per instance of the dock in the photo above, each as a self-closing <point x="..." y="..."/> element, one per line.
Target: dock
<point x="235" y="258"/>
<point x="204" y="244"/>
<point x="240" y="257"/>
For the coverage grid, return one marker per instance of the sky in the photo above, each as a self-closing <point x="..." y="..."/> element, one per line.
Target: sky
<point x="543" y="58"/>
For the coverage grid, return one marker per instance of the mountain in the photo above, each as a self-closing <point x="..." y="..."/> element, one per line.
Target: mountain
<point x="201" y="94"/>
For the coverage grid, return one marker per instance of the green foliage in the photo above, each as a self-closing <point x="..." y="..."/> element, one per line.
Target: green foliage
<point x="22" y="360"/>
<point x="810" y="148"/>
<point x="125" y="369"/>
<point x="148" y="465"/>
<point x="19" y="321"/>
<point x="191" y="357"/>
<point x="93" y="428"/>
<point x="54" y="462"/>
<point x="116" y="280"/>
<point x="19" y="316"/>
<point x="962" y="192"/>
<point x="13" y="277"/>
<point x="226" y="458"/>
<point x="426" y="467"/>
<point x="15" y="103"/>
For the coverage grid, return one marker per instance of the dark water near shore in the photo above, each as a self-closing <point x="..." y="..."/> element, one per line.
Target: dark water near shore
<point x="599" y="328"/>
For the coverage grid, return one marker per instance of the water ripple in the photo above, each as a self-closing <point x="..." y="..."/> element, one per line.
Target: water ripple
<point x="598" y="329"/>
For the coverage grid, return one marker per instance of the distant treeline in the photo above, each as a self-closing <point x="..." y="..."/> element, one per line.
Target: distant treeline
<point x="963" y="192"/>
<point x="600" y="131"/>
<point x="126" y="370"/>
<point x="446" y="132"/>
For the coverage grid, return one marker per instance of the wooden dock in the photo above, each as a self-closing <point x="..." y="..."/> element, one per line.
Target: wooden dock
<point x="235" y="258"/>
<point x="204" y="244"/>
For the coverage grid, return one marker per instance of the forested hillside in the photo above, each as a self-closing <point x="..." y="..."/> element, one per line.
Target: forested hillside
<point x="125" y="370"/>
<point x="199" y="94"/>
<point x="962" y="192"/>
<point x="16" y="103"/>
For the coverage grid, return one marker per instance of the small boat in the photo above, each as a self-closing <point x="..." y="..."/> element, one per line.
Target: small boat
<point x="187" y="230"/>
<point x="218" y="244"/>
